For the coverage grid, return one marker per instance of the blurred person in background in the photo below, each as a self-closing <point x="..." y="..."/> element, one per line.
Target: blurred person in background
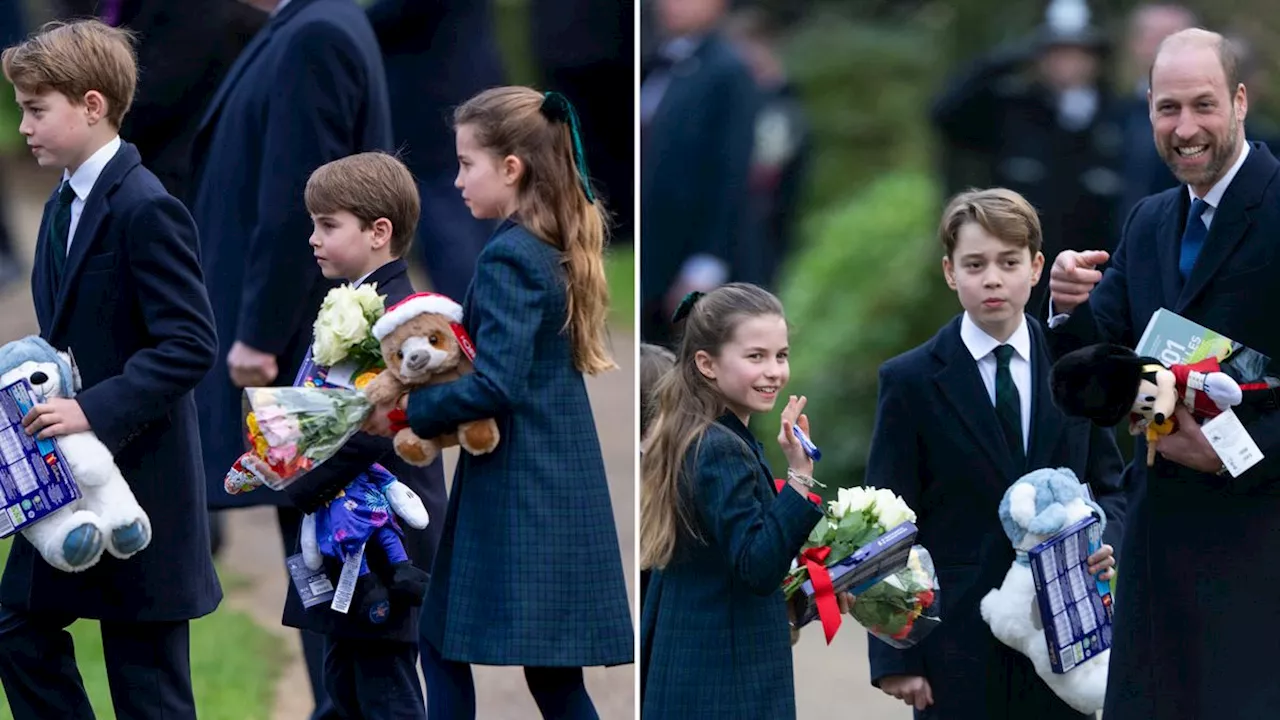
<point x="585" y="50"/>
<point x="437" y="54"/>
<point x="1144" y="172"/>
<point x="783" y="144"/>
<point x="309" y="88"/>
<point x="698" y="105"/>
<point x="1042" y="114"/>
<point x="13" y="27"/>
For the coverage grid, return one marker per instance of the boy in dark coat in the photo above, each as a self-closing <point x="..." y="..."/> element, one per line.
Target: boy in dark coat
<point x="117" y="281"/>
<point x="960" y="418"/>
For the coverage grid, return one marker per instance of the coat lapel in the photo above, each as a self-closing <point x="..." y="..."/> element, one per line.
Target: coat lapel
<point x="1230" y="221"/>
<point x="96" y="209"/>
<point x="1168" y="248"/>
<point x="1046" y="421"/>
<point x="43" y="291"/>
<point x="960" y="383"/>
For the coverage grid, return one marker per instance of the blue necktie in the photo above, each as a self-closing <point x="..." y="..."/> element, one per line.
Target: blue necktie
<point x="1192" y="238"/>
<point x="58" y="230"/>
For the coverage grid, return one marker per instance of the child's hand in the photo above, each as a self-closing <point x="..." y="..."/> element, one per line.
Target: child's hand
<point x="379" y="421"/>
<point x="913" y="690"/>
<point x="845" y="601"/>
<point x="1102" y="561"/>
<point x="57" y="417"/>
<point x="791" y="415"/>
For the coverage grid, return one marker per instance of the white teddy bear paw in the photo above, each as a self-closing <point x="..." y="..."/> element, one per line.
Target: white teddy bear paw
<point x="310" y="545"/>
<point x="407" y="504"/>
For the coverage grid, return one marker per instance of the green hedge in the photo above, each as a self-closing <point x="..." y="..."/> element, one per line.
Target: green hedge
<point x="867" y="286"/>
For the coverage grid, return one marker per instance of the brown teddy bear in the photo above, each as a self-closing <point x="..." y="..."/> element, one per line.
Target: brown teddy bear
<point x="424" y="343"/>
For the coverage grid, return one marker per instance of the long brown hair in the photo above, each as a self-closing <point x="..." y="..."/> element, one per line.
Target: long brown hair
<point x="555" y="201"/>
<point x="688" y="403"/>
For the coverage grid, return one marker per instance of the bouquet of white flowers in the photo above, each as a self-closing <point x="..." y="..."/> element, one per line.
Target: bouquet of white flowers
<point x="343" y="329"/>
<point x="866" y="536"/>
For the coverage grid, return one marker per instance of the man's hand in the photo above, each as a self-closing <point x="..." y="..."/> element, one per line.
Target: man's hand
<point x="1103" y="561"/>
<point x="1187" y="446"/>
<point x="59" y="416"/>
<point x="913" y="690"/>
<point x="1072" y="276"/>
<point x="249" y="367"/>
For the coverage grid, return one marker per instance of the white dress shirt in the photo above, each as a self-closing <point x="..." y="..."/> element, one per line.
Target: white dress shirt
<point x="82" y="182"/>
<point x="1213" y="198"/>
<point x="982" y="346"/>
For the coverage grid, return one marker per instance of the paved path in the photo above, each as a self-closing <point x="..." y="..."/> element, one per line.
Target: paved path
<point x="253" y="548"/>
<point x="826" y="677"/>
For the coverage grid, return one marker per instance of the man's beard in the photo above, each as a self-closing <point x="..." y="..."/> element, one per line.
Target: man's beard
<point x="1220" y="155"/>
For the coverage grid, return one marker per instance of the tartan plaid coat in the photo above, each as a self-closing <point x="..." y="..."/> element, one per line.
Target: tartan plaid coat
<point x="529" y="570"/>
<point x="714" y="638"/>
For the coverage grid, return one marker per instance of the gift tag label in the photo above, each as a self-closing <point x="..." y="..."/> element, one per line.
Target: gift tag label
<point x="1232" y="442"/>
<point x="313" y="586"/>
<point x="341" y="375"/>
<point x="347" y="582"/>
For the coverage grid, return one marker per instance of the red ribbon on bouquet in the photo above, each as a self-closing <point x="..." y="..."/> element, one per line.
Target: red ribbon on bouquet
<point x="399" y="420"/>
<point x="824" y="593"/>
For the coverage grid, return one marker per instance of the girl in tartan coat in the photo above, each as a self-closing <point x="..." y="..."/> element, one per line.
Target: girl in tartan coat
<point x="716" y="533"/>
<point x="529" y="570"/>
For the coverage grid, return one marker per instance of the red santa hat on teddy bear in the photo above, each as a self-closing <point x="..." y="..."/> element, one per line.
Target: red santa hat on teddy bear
<point x="424" y="303"/>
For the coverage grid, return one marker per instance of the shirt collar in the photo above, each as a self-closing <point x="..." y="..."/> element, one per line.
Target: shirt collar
<point x="980" y="344"/>
<point x="1214" y="196"/>
<point x="280" y="7"/>
<point x="86" y="176"/>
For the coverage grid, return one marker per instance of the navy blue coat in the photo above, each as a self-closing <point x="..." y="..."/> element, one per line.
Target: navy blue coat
<point x="438" y="54"/>
<point x="714" y="637"/>
<point x="937" y="443"/>
<point x="1192" y="638"/>
<point x="529" y="571"/>
<point x="308" y="89"/>
<point x="132" y="308"/>
<point x="322" y="484"/>
<point x="695" y="165"/>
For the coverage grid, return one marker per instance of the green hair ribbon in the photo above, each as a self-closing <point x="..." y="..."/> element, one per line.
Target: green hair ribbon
<point x="557" y="108"/>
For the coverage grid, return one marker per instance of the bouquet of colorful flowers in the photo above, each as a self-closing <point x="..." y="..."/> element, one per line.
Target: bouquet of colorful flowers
<point x="902" y="608"/>
<point x="291" y="430"/>
<point x="864" y="541"/>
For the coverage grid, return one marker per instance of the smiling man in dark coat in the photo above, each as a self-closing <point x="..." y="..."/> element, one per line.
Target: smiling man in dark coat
<point x="1194" y="627"/>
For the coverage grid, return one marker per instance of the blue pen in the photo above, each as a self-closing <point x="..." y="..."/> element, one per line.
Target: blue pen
<point x="809" y="448"/>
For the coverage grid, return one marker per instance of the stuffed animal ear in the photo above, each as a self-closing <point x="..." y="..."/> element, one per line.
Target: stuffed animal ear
<point x="1097" y="382"/>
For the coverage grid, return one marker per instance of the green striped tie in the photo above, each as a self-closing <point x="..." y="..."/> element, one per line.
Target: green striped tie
<point x="1009" y="405"/>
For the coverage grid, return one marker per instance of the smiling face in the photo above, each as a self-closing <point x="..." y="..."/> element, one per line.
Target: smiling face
<point x="489" y="183"/>
<point x="993" y="279"/>
<point x="1197" y="121"/>
<point x="752" y="367"/>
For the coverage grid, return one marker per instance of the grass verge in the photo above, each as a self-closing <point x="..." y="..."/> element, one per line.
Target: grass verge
<point x="234" y="663"/>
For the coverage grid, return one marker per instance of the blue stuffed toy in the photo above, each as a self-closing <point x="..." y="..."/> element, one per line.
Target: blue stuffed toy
<point x="1036" y="507"/>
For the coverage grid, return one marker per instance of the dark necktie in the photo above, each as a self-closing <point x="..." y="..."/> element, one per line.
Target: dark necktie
<point x="1192" y="238"/>
<point x="58" y="230"/>
<point x="1009" y="405"/>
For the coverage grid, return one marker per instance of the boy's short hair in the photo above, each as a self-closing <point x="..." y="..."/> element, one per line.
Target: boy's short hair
<point x="369" y="185"/>
<point x="1000" y="211"/>
<point x="74" y="58"/>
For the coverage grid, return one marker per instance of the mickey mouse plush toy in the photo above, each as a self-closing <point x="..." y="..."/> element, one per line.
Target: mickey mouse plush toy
<point x="1105" y="382"/>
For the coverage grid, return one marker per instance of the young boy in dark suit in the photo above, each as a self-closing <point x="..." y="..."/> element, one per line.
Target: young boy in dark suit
<point x="959" y="419"/>
<point x="364" y="209"/>
<point x="117" y="281"/>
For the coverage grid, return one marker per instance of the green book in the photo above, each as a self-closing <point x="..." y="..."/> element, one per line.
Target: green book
<point x="1175" y="340"/>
